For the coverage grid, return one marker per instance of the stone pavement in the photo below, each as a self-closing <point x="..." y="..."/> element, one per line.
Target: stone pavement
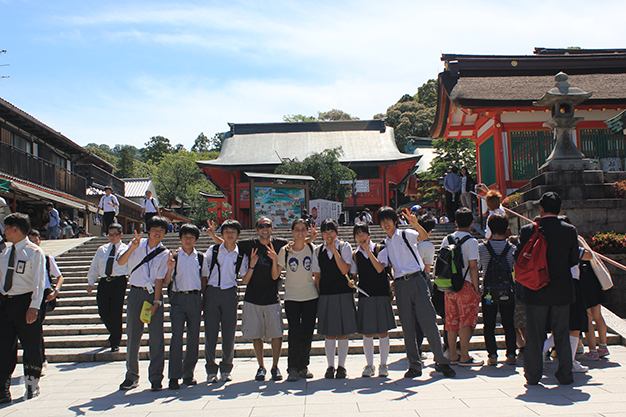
<point x="72" y="389"/>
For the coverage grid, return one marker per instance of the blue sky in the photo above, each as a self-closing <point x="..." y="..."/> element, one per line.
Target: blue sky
<point x="119" y="72"/>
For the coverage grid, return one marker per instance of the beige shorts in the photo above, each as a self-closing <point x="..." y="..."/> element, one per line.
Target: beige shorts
<point x="262" y="322"/>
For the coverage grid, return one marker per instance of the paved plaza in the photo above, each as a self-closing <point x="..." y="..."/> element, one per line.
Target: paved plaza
<point x="71" y="389"/>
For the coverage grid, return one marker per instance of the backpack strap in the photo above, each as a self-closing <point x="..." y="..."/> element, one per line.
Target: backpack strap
<point x="238" y="262"/>
<point x="149" y="257"/>
<point x="420" y="264"/>
<point x="48" y="268"/>
<point x="214" y="251"/>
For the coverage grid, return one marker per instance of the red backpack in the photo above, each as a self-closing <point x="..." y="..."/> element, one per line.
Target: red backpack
<point x="531" y="266"/>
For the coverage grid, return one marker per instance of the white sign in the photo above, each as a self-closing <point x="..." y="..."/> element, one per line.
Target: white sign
<point x="362" y="186"/>
<point x="345" y="182"/>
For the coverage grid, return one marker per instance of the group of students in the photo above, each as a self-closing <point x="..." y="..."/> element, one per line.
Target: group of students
<point x="320" y="284"/>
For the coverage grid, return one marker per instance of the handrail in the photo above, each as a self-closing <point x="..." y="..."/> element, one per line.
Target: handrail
<point x="599" y="255"/>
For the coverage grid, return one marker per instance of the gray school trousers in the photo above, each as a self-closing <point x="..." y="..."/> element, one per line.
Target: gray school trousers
<point x="185" y="308"/>
<point x="134" y="330"/>
<point x="413" y="299"/>
<point x="220" y="307"/>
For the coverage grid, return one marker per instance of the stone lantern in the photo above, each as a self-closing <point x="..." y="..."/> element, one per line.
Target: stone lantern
<point x="562" y="98"/>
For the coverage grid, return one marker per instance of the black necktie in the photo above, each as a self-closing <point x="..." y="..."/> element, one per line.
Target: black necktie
<point x="109" y="269"/>
<point x="8" y="278"/>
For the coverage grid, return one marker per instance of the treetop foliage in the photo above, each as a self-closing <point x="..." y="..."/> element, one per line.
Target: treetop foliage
<point x="327" y="171"/>
<point x="322" y="116"/>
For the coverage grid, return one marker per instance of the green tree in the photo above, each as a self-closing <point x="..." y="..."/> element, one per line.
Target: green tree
<point x="427" y="93"/>
<point x="177" y="177"/>
<point x="144" y="169"/>
<point x="294" y="118"/>
<point x="327" y="171"/>
<point x="413" y="115"/>
<point x="125" y="167"/>
<point x="156" y="149"/>
<point x="458" y="153"/>
<point x="201" y="144"/>
<point x="334" y="115"/>
<point x="95" y="149"/>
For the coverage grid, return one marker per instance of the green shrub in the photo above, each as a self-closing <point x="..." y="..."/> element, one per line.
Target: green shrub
<point x="512" y="200"/>
<point x="608" y="243"/>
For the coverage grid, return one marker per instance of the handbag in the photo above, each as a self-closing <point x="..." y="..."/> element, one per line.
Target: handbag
<point x="601" y="271"/>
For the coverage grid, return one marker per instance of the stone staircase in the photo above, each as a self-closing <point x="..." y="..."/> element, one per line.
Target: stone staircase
<point x="73" y="332"/>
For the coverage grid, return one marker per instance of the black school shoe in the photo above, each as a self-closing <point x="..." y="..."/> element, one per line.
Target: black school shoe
<point x="445" y="370"/>
<point x="128" y="384"/>
<point x="341" y="373"/>
<point x="276" y="375"/>
<point x="413" y="373"/>
<point x="189" y="381"/>
<point x="260" y="374"/>
<point x="330" y="373"/>
<point x="174" y="385"/>
<point x="156" y="386"/>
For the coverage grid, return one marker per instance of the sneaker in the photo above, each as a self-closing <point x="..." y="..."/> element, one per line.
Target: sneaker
<point x="276" y="375"/>
<point x="260" y="374"/>
<point x="31" y="384"/>
<point x="472" y="362"/>
<point x="423" y="356"/>
<point x="341" y="373"/>
<point x="44" y="368"/>
<point x="226" y="377"/>
<point x="383" y="371"/>
<point x="368" y="371"/>
<point x="330" y="373"/>
<point x="212" y="378"/>
<point x="445" y="370"/>
<point x="492" y="360"/>
<point x="189" y="381"/>
<point x="413" y="373"/>
<point x="546" y="357"/>
<point x="577" y="367"/>
<point x="174" y="385"/>
<point x="292" y="375"/>
<point x="305" y="373"/>
<point x="511" y="360"/>
<point x="128" y="384"/>
<point x="592" y="355"/>
<point x="156" y="386"/>
<point x="603" y="351"/>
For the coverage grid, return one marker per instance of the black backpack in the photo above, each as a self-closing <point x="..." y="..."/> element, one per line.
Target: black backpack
<point x="449" y="265"/>
<point x="498" y="280"/>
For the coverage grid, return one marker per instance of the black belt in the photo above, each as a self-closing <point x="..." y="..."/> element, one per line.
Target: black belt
<point x="188" y="292"/>
<point x="410" y="276"/>
<point x="141" y="288"/>
<point x="111" y="278"/>
<point x="29" y="294"/>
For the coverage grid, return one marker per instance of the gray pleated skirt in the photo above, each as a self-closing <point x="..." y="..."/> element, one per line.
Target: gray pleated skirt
<point x="375" y="315"/>
<point x="336" y="315"/>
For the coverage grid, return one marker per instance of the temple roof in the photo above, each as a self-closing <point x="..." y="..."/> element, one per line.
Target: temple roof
<point x="363" y="142"/>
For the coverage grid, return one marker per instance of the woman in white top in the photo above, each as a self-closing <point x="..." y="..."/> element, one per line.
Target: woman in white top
<point x="301" y="298"/>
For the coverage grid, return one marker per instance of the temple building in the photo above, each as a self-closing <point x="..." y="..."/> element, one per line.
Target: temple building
<point x="251" y="152"/>
<point x="490" y="99"/>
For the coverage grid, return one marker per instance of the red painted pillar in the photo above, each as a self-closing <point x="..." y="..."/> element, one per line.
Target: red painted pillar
<point x="499" y="152"/>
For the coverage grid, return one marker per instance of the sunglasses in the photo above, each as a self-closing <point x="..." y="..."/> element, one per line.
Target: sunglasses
<point x="264" y="226"/>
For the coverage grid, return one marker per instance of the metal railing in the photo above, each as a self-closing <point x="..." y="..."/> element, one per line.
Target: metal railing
<point x="97" y="175"/>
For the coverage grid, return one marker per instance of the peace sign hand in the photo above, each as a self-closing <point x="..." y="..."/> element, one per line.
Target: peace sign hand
<point x="171" y="262"/>
<point x="210" y="230"/>
<point x="253" y="257"/>
<point x="410" y="217"/>
<point x="271" y="252"/>
<point x="136" y="240"/>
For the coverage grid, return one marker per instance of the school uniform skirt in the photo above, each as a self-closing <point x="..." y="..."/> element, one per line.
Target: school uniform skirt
<point x="578" y="319"/>
<point x="375" y="315"/>
<point x="336" y="315"/>
<point x="590" y="286"/>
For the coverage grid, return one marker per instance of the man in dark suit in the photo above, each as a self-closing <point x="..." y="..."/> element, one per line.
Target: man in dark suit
<point x="552" y="301"/>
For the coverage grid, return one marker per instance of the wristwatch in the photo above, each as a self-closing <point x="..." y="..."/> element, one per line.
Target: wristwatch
<point x="158" y="302"/>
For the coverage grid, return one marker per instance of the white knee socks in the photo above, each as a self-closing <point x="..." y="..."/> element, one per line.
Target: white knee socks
<point x="573" y="341"/>
<point x="384" y="349"/>
<point x="329" y="348"/>
<point x="342" y="351"/>
<point x="368" y="349"/>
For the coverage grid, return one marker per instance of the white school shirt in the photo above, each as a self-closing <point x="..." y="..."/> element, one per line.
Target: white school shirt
<point x="187" y="272"/>
<point x="54" y="271"/>
<point x="469" y="250"/>
<point x="382" y="257"/>
<point x="427" y="252"/>
<point x="150" y="205"/>
<point x="29" y="273"/>
<point x="487" y="229"/>
<point x="346" y="255"/>
<point x="399" y="254"/>
<point x="150" y="271"/>
<point x="226" y="261"/>
<point x="99" y="263"/>
<point x="105" y="200"/>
